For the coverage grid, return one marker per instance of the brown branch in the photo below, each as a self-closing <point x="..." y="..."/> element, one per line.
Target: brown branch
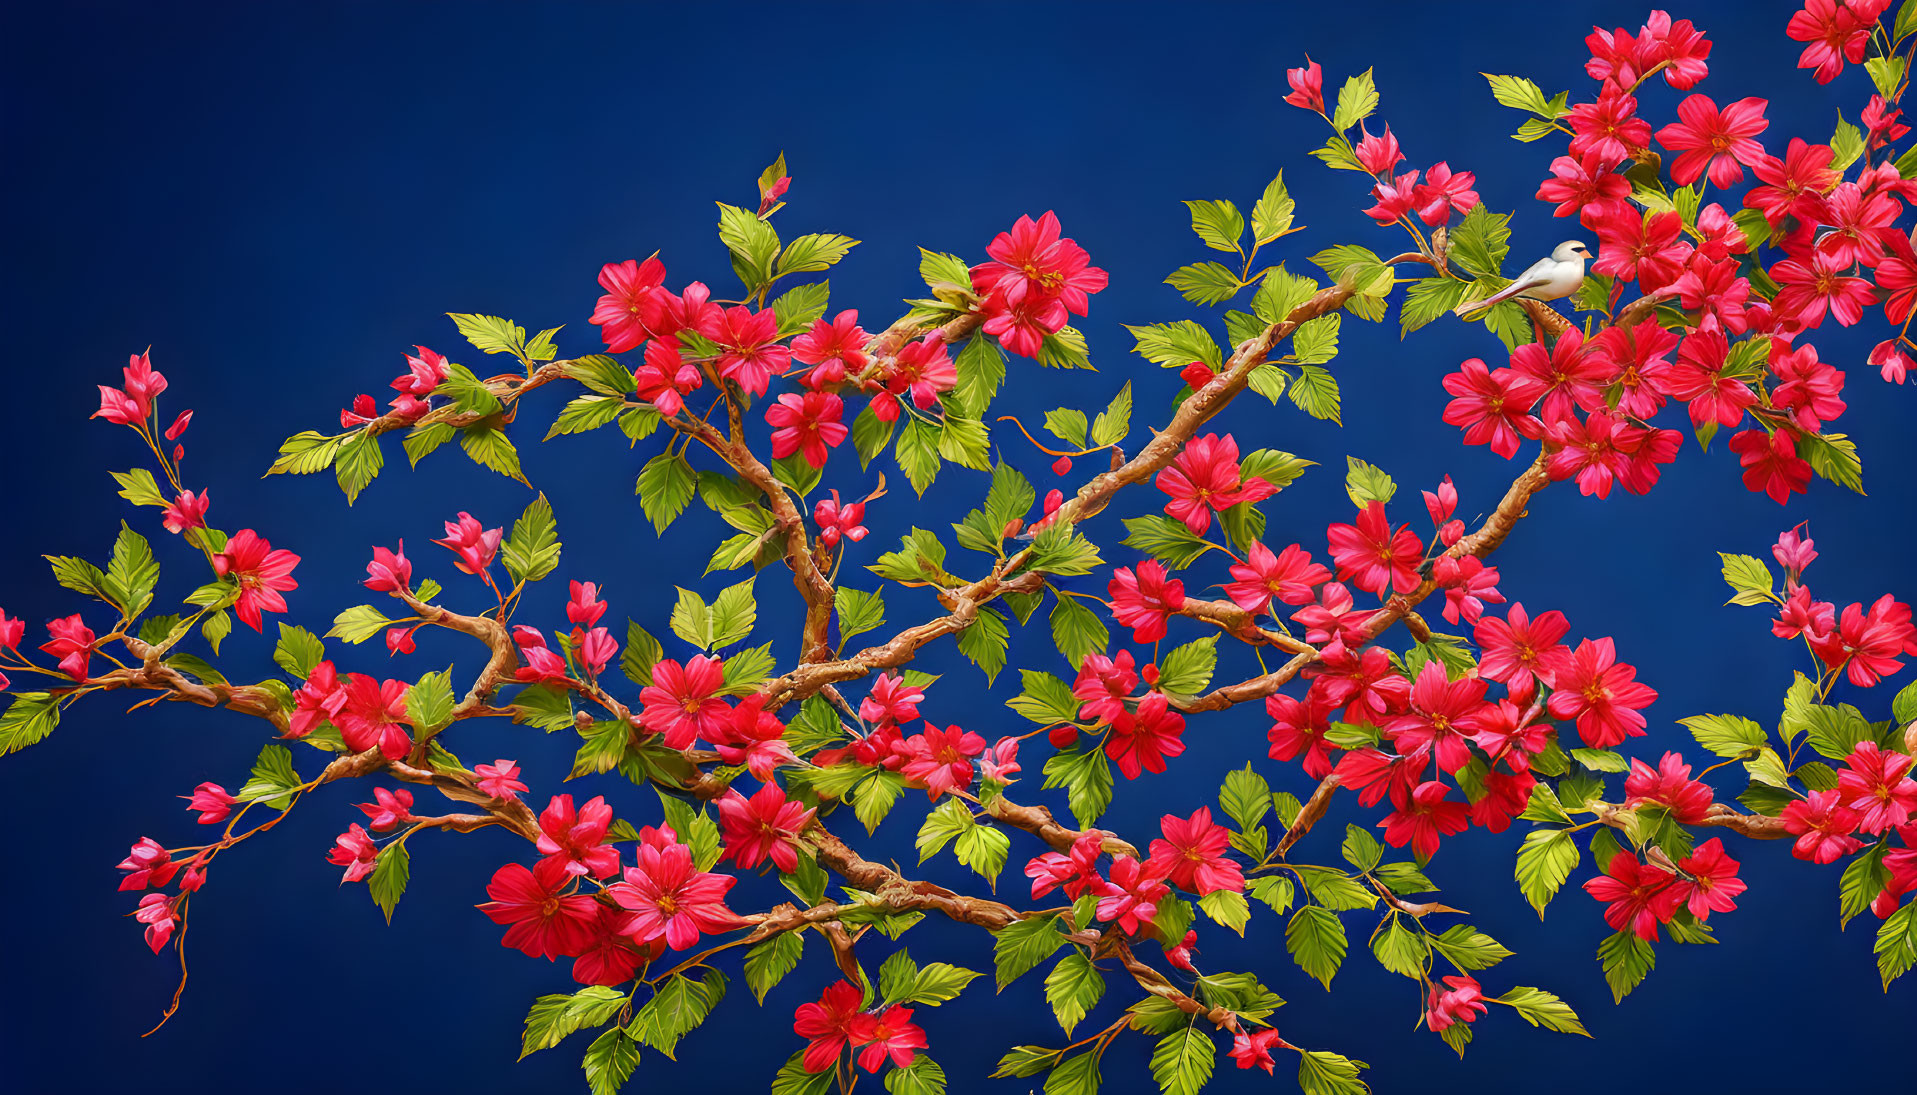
<point x="1313" y="809"/>
<point x="1242" y="625"/>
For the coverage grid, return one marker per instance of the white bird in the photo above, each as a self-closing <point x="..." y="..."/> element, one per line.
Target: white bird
<point x="1552" y="278"/>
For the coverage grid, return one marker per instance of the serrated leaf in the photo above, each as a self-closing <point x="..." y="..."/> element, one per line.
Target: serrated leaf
<point x="391" y="870"/>
<point x="1316" y="939"/>
<point x="1545" y="860"/>
<point x="666" y="487"/>
<point x="1023" y="944"/>
<point x="1182" y="1062"/>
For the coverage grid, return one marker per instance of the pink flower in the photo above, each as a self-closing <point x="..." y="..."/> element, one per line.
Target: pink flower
<point x="1670" y="785"/>
<point x="683" y="703"/>
<point x="212" y="801"/>
<point x="474" y="545"/>
<point x="761" y="827"/>
<point x="1034" y="263"/>
<point x="262" y="571"/>
<point x="1373" y="557"/>
<point x="1492" y="407"/>
<point x="1103" y="685"/>
<point x="1602" y="693"/>
<point x="499" y="779"/>
<point x="72" y="643"/>
<point x="575" y="839"/>
<point x="1299" y="727"/>
<point x="1000" y="762"/>
<point x="131" y="406"/>
<point x="1576" y="182"/>
<point x="1205" y="477"/>
<point x="147" y="864"/>
<point x="833" y="347"/>
<point x="540" y="663"/>
<point x="1876" y="785"/>
<point x="1287" y="576"/>
<point x="1145" y="600"/>
<point x="187" y="511"/>
<point x="1192" y="854"/>
<point x="1609" y="127"/>
<point x="838" y="520"/>
<point x="1461" y="1001"/>
<point x="1131" y="898"/>
<point x="1714" y="142"/>
<point x="597" y="649"/>
<point x="1076" y="873"/>
<point x="158" y="913"/>
<point x="891" y="700"/>
<point x="1141" y="742"/>
<point x="389" y="572"/>
<point x="1869" y="643"/>
<point x="353" y="850"/>
<point x="543" y="918"/>
<point x="1378" y="155"/>
<point x="922" y="369"/>
<point x="1709" y="882"/>
<point x="584" y="608"/>
<point x="1795" y="185"/>
<point x="319" y="701"/>
<point x="757" y="739"/>
<point x="1835" y="34"/>
<point x="808" y="424"/>
<point x="828" y="1024"/>
<point x="752" y="354"/>
<point x="1443" y="192"/>
<point x="611" y="957"/>
<point x="1771" y="464"/>
<point x="1307" y="86"/>
<point x="1424" y="819"/>
<point x="629" y="285"/>
<point x="12" y="632"/>
<point x="399" y="640"/>
<point x="666" y="377"/>
<point x="672" y="899"/>
<point x="1822" y="825"/>
<point x="1793" y="551"/>
<point x="1806" y="293"/>
<point x="423" y="374"/>
<point x="1252" y="1048"/>
<point x="940" y="760"/>
<point x="1648" y="249"/>
<point x="1566" y="375"/>
<point x="1444" y="714"/>
<point x="373" y="714"/>
<point x="388" y="808"/>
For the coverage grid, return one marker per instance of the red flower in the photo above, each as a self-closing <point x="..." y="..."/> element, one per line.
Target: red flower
<point x="1889" y="357"/>
<point x="353" y="850"/>
<point x="1698" y="379"/>
<point x="1424" y="818"/>
<point x="575" y="839"/>
<point x="828" y="1023"/>
<point x="1252" y="1049"/>
<point x="1669" y="786"/>
<point x="1680" y="47"/>
<point x="611" y="958"/>
<point x="262" y="572"/>
<point x="158" y="913"/>
<point x="629" y="287"/>
<point x="1205" y="477"/>
<point x="1880" y="121"/>
<point x="423" y="374"/>
<point x="474" y="545"/>
<point x="12" y="632"/>
<point x="1795" y="185"/>
<point x="1103" y="685"/>
<point x="1709" y="882"/>
<point x="542" y="919"/>
<point x="1716" y="142"/>
<point x="1493" y="408"/>
<point x="212" y="801"/>
<point x="1131" y="897"/>
<point x="130" y="407"/>
<point x="1373" y="557"/>
<point x="1800" y="614"/>
<point x="1876" y="785"/>
<point x="1808" y="386"/>
<point x="1597" y="451"/>
<point x="1807" y="293"/>
<point x="1602" y="693"/>
<point x="808" y="424"/>
<point x="1577" y="182"/>
<point x="757" y="739"/>
<point x="838" y="521"/>
<point x="1462" y="1001"/>
<point x="1333" y="618"/>
<point x="399" y="640"/>
<point x="1468" y="584"/>
<point x="499" y="779"/>
<point x="1141" y="742"/>
<point x="940" y="760"/>
<point x="1299" y="727"/>
<point x="1713" y="286"/>
<point x="762" y="826"/>
<point x="583" y="606"/>
<point x="1307" y="86"/>
<point x="891" y="1034"/>
<point x="833" y="347"/>
<point x="1822" y="825"/>
<point x="1870" y="642"/>
<point x="388" y="808"/>
<point x="671" y="898"/>
<point x="318" y="701"/>
<point x="752" y="354"/>
<point x="1609" y="127"/>
<point x="1641" y="895"/>
<point x="1771" y="465"/>
<point x="1145" y="600"/>
<point x="1378" y="155"/>
<point x="1835" y="34"/>
<point x="1444" y="714"/>
<point x="187" y="511"/>
<point x="1443" y="192"/>
<point x="683" y="702"/>
<point x="374" y="714"/>
<point x="1287" y="576"/>
<point x="1565" y="374"/>
<point x="1192" y="854"/>
<point x="1395" y="198"/>
<point x="72" y="643"/>
<point x="891" y="700"/>
<point x="1075" y="873"/>
<point x="148" y="864"/>
<point x="666" y="377"/>
<point x="1649" y="248"/>
<point x="923" y="369"/>
<point x="1033" y="263"/>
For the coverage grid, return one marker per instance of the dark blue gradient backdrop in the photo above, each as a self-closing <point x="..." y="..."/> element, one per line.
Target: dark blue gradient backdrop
<point x="279" y="199"/>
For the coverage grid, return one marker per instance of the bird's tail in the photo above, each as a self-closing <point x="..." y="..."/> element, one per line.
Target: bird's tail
<point x="1470" y="306"/>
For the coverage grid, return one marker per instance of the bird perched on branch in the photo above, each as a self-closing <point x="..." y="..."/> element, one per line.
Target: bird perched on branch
<point x="1552" y="278"/>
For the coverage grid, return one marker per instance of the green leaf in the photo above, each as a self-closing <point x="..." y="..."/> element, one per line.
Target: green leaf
<point x="138" y="487"/>
<point x="552" y="1018"/>
<point x="273" y="779"/>
<point x="1245" y="796"/>
<point x="1228" y="908"/>
<point x="1271" y="216"/>
<point x="666" y="486"/>
<point x="641" y="654"/>
<point x="1864" y="878"/>
<point x="676" y="1009"/>
<point x="532" y="551"/>
<point x="1321" y="1072"/>
<point x="1365" y="483"/>
<point x="1064" y="348"/>
<point x="1360" y="848"/>
<point x="1726" y="735"/>
<point x="1178" y="344"/>
<point x="1468" y="948"/>
<point x="215" y="628"/>
<point x="1165" y="539"/>
<point x="1544" y="861"/>
<point x="752" y="242"/>
<point x="545" y="707"/>
<point x="1315" y="392"/>
<point x="1750" y="580"/>
<point x="1073" y="988"/>
<point x="306" y="453"/>
<point x="491" y="334"/>
<point x="981" y="369"/>
<point x="491" y="448"/>
<point x="429" y="702"/>
<point x="1074" y="1076"/>
<point x="984" y="849"/>
<point x="1833" y="456"/>
<point x="1115" y="421"/>
<point x="1316" y="939"/>
<point x="1045" y="700"/>
<point x="1520" y="94"/>
<point x="1626" y="960"/>
<point x="1427" y="299"/>
<point x="1356" y="101"/>
<point x="1187" y="669"/>
<point x="917" y="452"/>
<point x="1543" y="1009"/>
<point x="767" y="963"/>
<point x="986" y="642"/>
<point x="812" y="253"/>
<point x="610" y="1061"/>
<point x="358" y="463"/>
<point x="1847" y="144"/>
<point x="1896" y="946"/>
<point x="391" y="869"/>
<point x="132" y="573"/>
<point x="1087" y="779"/>
<point x="858" y="612"/>
<point x="1400" y="950"/>
<point x="799" y="307"/>
<point x="603" y="374"/>
<point x="922" y="1077"/>
<point x="1481" y="241"/>
<point x="1205" y="283"/>
<point x="587" y="412"/>
<point x="934" y="984"/>
<point x="298" y="651"/>
<point x="1316" y="341"/>
<point x="870" y="436"/>
<point x="1218" y="223"/>
<point x="1077" y="631"/>
<point x="1182" y="1062"/>
<point x="28" y="720"/>
<point x="1023" y="944"/>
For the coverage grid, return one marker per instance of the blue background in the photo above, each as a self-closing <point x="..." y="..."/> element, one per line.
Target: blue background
<point x="279" y="199"/>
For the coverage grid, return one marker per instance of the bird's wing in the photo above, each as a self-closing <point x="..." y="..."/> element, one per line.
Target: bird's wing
<point x="1539" y="273"/>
